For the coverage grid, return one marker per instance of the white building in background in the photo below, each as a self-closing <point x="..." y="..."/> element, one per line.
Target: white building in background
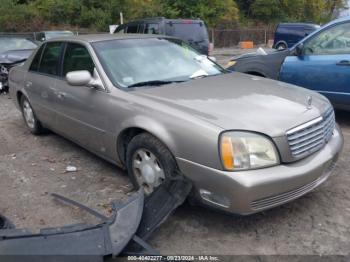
<point x="345" y="12"/>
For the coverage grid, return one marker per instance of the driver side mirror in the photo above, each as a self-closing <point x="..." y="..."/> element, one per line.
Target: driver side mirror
<point x="299" y="49"/>
<point x="84" y="78"/>
<point x="79" y="78"/>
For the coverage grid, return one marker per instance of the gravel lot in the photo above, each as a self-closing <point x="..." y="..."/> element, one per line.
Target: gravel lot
<point x="31" y="167"/>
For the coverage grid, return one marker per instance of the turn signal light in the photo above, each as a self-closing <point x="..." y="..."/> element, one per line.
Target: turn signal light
<point x="227" y="153"/>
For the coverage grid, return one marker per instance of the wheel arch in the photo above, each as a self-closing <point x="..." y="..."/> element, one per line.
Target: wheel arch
<point x="19" y="96"/>
<point x="255" y="73"/>
<point x="154" y="129"/>
<point x="281" y="42"/>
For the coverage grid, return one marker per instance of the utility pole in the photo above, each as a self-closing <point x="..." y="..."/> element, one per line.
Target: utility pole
<point x="121" y="18"/>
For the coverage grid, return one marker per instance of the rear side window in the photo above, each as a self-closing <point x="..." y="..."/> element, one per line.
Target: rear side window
<point x="77" y="58"/>
<point x="36" y="61"/>
<point x="188" y="31"/>
<point x="141" y="28"/>
<point x="132" y="29"/>
<point x="120" y="29"/>
<point x="50" y="59"/>
<point x="152" y="29"/>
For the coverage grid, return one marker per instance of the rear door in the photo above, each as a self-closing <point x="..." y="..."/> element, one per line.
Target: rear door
<point x="324" y="64"/>
<point x="40" y="81"/>
<point x="82" y="110"/>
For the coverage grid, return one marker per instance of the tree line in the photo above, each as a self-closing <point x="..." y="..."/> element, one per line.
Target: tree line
<point x="96" y="15"/>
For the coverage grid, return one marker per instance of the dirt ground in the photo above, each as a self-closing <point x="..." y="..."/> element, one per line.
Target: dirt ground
<point x="32" y="167"/>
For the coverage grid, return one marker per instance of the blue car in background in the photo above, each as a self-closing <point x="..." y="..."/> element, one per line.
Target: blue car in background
<point x="288" y="34"/>
<point x="320" y="62"/>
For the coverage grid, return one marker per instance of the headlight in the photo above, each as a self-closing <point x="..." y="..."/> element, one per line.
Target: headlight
<point x="231" y="63"/>
<point x="244" y="150"/>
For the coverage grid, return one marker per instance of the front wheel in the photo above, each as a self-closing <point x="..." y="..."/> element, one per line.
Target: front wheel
<point x="149" y="163"/>
<point x="151" y="166"/>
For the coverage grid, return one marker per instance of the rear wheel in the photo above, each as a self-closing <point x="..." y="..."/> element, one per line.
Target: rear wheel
<point x="29" y="117"/>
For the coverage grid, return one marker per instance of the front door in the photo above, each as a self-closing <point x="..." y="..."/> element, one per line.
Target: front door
<point x="324" y="64"/>
<point x="81" y="110"/>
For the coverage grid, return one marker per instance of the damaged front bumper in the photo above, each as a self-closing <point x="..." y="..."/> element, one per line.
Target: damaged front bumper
<point x="4" y="75"/>
<point x="4" y="71"/>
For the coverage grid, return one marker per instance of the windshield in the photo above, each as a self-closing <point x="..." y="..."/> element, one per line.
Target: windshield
<point x="7" y="43"/>
<point x="131" y="61"/>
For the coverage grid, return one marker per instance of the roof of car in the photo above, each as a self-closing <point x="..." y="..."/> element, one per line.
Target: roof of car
<point x="298" y="24"/>
<point x="158" y="19"/>
<point x="104" y="37"/>
<point x="53" y="31"/>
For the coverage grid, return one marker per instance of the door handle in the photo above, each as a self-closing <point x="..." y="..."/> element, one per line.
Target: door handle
<point x="344" y="63"/>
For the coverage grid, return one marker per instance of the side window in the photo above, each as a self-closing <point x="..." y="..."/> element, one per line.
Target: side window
<point x="132" y="29"/>
<point x="77" y="58"/>
<point x="332" y="41"/>
<point x="141" y="28"/>
<point x="120" y="29"/>
<point x="50" y="59"/>
<point x="36" y="60"/>
<point x="152" y="29"/>
<point x="40" y="37"/>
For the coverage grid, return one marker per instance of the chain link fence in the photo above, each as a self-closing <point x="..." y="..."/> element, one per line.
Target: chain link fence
<point x="223" y="38"/>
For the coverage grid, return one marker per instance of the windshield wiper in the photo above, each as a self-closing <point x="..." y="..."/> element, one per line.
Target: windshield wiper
<point x="153" y="83"/>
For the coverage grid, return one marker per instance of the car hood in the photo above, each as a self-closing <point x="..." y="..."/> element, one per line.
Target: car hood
<point x="258" y="53"/>
<point x="241" y="102"/>
<point x="15" y="56"/>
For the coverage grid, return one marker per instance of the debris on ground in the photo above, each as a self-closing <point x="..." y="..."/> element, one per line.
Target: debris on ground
<point x="107" y="238"/>
<point x="71" y="169"/>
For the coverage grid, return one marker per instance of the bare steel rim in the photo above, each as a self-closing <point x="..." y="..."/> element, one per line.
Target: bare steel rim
<point x="28" y="114"/>
<point x="147" y="169"/>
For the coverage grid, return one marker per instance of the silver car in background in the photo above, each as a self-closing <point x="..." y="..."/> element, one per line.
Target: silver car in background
<point x="158" y="108"/>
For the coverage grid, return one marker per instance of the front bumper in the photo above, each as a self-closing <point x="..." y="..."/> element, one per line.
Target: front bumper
<point x="248" y="192"/>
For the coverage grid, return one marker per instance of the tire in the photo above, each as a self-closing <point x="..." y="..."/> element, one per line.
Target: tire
<point x="29" y="117"/>
<point x="163" y="160"/>
<point x="281" y="46"/>
<point x="165" y="198"/>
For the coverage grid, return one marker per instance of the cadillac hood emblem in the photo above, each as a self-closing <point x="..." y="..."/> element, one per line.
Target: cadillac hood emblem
<point x="309" y="102"/>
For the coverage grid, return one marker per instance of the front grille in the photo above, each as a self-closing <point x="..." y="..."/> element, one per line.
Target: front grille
<point x="311" y="136"/>
<point x="293" y="194"/>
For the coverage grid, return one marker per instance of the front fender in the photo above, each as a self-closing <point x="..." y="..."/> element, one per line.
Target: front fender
<point x="255" y="67"/>
<point x="153" y="127"/>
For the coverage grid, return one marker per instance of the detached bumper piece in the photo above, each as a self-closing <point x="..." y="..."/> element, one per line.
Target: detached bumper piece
<point x="5" y="223"/>
<point x="124" y="233"/>
<point x="78" y="242"/>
